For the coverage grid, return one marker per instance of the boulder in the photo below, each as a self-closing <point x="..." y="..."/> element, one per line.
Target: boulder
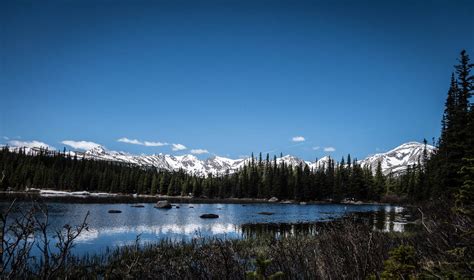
<point x="209" y="216"/>
<point x="115" y="211"/>
<point x="163" y="204"/>
<point x="273" y="199"/>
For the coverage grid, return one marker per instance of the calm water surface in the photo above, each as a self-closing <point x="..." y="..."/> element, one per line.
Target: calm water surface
<point x="184" y="223"/>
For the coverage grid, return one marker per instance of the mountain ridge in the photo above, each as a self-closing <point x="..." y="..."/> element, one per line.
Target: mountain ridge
<point x="395" y="161"/>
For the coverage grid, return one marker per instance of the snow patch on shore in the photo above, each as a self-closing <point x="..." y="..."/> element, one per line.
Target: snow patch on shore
<point x="78" y="194"/>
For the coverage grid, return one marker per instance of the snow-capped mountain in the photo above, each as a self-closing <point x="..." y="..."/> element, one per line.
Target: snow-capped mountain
<point x="214" y="165"/>
<point x="395" y="161"/>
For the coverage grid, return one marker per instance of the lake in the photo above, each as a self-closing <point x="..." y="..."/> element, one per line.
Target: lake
<point x="107" y="230"/>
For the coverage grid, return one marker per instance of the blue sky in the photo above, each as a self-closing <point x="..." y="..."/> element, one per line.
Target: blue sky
<point x="229" y="77"/>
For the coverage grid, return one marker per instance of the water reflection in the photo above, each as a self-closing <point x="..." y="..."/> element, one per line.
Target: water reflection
<point x="387" y="219"/>
<point x="184" y="224"/>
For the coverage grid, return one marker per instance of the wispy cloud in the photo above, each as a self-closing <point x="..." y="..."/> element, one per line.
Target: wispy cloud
<point x="6" y="138"/>
<point x="80" y="145"/>
<point x="154" y="144"/>
<point x="298" y="139"/>
<point x="142" y="143"/>
<point x="199" y="151"/>
<point x="316" y="148"/>
<point x="178" y="147"/>
<point x="129" y="141"/>
<point x="329" y="149"/>
<point x="30" y="144"/>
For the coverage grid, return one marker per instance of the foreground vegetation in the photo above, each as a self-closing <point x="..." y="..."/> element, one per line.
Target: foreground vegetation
<point x="345" y="249"/>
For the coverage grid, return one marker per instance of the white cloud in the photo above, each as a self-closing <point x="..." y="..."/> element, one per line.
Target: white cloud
<point x="6" y="138"/>
<point x="81" y="145"/>
<point x="143" y="143"/>
<point x="154" y="144"/>
<point x="316" y="148"/>
<point x="178" y="147"/>
<point x="199" y="151"/>
<point x="329" y="149"/>
<point x="298" y="139"/>
<point x="30" y="144"/>
<point x="130" y="141"/>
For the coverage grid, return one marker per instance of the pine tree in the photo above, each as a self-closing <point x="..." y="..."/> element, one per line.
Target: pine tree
<point x="154" y="184"/>
<point x="379" y="182"/>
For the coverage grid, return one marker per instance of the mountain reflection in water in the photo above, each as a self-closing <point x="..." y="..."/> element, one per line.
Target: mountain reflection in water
<point x="184" y="224"/>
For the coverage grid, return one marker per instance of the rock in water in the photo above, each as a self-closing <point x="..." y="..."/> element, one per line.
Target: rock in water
<point x="209" y="216"/>
<point x="266" y="213"/>
<point x="138" y="206"/>
<point x="115" y="211"/>
<point x="163" y="204"/>
<point x="273" y="199"/>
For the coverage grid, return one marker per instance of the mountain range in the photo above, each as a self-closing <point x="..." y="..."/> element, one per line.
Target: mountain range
<point x="394" y="161"/>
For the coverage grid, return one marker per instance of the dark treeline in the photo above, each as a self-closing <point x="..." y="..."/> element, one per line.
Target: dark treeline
<point x="259" y="178"/>
<point x="448" y="173"/>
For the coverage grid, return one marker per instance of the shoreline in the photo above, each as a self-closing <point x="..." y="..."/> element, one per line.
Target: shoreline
<point x="85" y="197"/>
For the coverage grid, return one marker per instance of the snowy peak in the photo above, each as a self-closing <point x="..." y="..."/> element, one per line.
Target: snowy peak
<point x="394" y="161"/>
<point x="397" y="160"/>
<point x="291" y="160"/>
<point x="98" y="150"/>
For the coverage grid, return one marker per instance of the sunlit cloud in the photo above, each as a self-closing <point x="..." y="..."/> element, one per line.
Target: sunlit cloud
<point x="81" y="145"/>
<point x="142" y="143"/>
<point x="329" y="149"/>
<point x="178" y="147"/>
<point x="298" y="139"/>
<point x="30" y="144"/>
<point x="154" y="144"/>
<point x="316" y="148"/>
<point x="199" y="151"/>
<point x="130" y="141"/>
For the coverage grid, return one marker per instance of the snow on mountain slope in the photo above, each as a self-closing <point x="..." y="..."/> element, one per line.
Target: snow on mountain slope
<point x="395" y="161"/>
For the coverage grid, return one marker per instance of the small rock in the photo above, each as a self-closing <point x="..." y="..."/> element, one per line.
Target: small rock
<point x="163" y="204"/>
<point x="303" y="203"/>
<point x="115" y="211"/>
<point x="286" y="202"/>
<point x="177" y="206"/>
<point x="191" y="206"/>
<point x="266" y="213"/>
<point x="273" y="199"/>
<point x="138" y="206"/>
<point x="209" y="216"/>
